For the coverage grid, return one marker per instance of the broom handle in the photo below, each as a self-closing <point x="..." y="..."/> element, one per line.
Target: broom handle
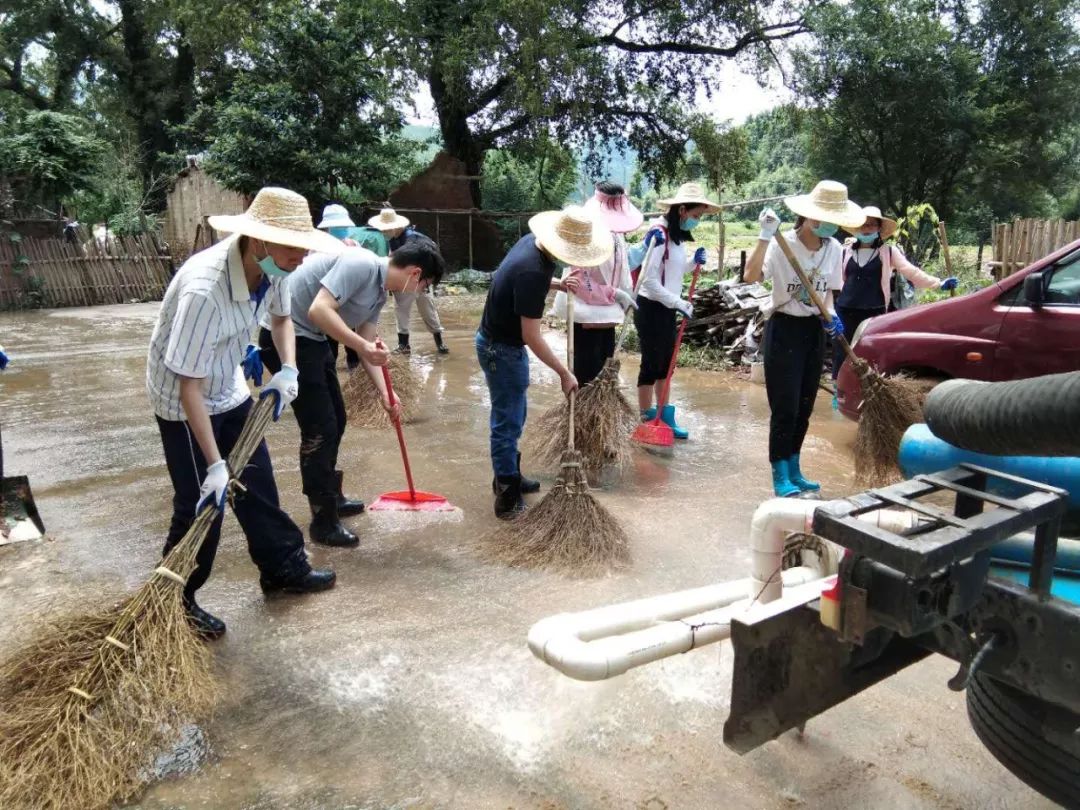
<point x="397" y="425"/>
<point x="628" y="316"/>
<point x="818" y="302"/>
<point x="675" y="354"/>
<point x="570" y="357"/>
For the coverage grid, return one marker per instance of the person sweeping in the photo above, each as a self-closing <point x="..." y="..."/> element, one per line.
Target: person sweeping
<point x="511" y="322"/>
<point x="660" y="298"/>
<point x="605" y="291"/>
<point x="200" y="399"/>
<point x="328" y="293"/>
<point x="794" y="343"/>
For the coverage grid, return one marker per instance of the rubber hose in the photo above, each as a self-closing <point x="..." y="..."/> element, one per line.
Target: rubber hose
<point x="1034" y="417"/>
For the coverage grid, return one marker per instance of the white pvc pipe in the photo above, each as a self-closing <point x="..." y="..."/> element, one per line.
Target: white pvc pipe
<point x="596" y="644"/>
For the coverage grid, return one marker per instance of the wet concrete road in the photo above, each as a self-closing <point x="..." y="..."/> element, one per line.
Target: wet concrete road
<point x="410" y="684"/>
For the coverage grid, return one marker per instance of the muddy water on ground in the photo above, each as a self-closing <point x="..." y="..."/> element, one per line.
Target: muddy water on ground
<point x="410" y="684"/>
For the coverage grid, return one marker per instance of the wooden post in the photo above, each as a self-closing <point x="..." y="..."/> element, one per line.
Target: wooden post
<point x="472" y="264"/>
<point x="742" y="266"/>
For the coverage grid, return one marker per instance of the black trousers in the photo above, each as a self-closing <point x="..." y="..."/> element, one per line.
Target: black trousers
<point x="275" y="543"/>
<point x="319" y="410"/>
<point x="352" y="359"/>
<point x="851" y="318"/>
<point x="592" y="348"/>
<point x="656" y="329"/>
<point x="794" y="358"/>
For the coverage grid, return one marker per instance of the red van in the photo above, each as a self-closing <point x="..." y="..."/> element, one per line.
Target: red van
<point x="1024" y="326"/>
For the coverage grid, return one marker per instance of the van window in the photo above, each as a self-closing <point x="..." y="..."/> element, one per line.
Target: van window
<point x="1064" y="287"/>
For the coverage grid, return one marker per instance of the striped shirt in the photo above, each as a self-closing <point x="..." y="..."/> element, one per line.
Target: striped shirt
<point x="203" y="329"/>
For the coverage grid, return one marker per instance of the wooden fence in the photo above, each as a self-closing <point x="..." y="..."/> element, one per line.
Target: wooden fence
<point x="59" y="273"/>
<point x="1023" y="241"/>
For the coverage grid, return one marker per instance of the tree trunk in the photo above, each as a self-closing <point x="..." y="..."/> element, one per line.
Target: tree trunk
<point x="458" y="139"/>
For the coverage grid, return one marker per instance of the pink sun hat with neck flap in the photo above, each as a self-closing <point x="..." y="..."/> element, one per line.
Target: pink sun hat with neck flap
<point x="615" y="211"/>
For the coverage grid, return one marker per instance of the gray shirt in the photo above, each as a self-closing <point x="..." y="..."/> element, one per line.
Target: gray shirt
<point x="356" y="279"/>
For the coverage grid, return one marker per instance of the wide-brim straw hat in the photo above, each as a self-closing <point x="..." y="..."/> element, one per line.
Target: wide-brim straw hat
<point x="690" y="194"/>
<point x="573" y="236"/>
<point x="828" y="202"/>
<point x="888" y="226"/>
<point x="388" y="220"/>
<point x="336" y="216"/>
<point x="617" y="213"/>
<point x="280" y="217"/>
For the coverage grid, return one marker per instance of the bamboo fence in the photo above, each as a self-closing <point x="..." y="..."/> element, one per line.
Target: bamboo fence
<point x="1023" y="241"/>
<point x="60" y="273"/>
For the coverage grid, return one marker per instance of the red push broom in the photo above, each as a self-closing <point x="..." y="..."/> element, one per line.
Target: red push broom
<point x="655" y="433"/>
<point x="411" y="500"/>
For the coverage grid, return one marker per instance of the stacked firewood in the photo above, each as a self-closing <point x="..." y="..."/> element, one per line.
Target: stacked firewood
<point x="728" y="317"/>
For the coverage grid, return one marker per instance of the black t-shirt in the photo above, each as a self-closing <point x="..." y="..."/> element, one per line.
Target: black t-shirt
<point x="519" y="288"/>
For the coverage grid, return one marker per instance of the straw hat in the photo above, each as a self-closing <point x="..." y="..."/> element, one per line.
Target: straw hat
<point x="888" y="226"/>
<point x="690" y="194"/>
<point x="388" y="220"/>
<point x="281" y="217"/>
<point x="573" y="236"/>
<point x="335" y="216"/>
<point x="828" y="202"/>
<point x="617" y="213"/>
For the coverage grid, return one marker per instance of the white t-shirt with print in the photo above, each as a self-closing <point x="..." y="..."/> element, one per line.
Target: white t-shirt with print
<point x="823" y="267"/>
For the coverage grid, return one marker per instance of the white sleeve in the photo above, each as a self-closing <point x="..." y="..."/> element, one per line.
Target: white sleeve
<point x="836" y="269"/>
<point x="650" y="281"/>
<point x="769" y="265"/>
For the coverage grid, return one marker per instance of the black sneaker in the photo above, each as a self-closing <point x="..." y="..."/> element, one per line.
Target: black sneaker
<point x="206" y="625"/>
<point x="311" y="582"/>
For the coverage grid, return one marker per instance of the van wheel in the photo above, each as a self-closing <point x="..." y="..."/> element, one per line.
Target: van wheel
<point x="1038" y="741"/>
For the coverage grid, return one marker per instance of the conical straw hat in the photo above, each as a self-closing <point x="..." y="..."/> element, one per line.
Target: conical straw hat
<point x="280" y="217"/>
<point x="573" y="236"/>
<point x="828" y="202"/>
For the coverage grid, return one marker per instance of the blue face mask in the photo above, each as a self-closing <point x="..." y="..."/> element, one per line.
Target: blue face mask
<point x="341" y="232"/>
<point x="270" y="268"/>
<point x="867" y="238"/>
<point x="825" y="230"/>
<point x="690" y="223"/>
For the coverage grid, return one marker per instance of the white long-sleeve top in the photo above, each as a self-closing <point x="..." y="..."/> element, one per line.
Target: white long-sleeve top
<point x="662" y="281"/>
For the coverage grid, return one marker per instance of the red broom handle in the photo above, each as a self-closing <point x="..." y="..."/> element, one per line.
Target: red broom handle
<point x="397" y="426"/>
<point x="675" y="354"/>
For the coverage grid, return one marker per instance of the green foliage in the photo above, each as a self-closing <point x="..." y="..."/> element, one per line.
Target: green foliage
<point x="538" y="178"/>
<point x="46" y="157"/>
<point x="721" y="155"/>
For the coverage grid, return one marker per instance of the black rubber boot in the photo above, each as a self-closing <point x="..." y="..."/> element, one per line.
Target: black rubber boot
<point x="326" y="528"/>
<point x="346" y="507"/>
<point x="529" y="486"/>
<point x="206" y="625"/>
<point x="508" y="501"/>
<point x="403" y="343"/>
<point x="313" y="581"/>
<point x="439" y="345"/>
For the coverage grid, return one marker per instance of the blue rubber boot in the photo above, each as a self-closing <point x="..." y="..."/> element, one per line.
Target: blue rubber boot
<point x="796" y="477"/>
<point x="649" y="415"/>
<point x="781" y="482"/>
<point x="667" y="416"/>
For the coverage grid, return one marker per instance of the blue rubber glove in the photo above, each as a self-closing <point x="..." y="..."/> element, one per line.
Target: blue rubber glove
<point x="284" y="385"/>
<point x="950" y="283"/>
<point x="700" y="256"/>
<point x="835" y="327"/>
<point x="4" y="360"/>
<point x="654" y="237"/>
<point x="253" y="364"/>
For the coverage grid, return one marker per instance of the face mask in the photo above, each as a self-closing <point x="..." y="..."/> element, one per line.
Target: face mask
<point x="867" y="238"/>
<point x="825" y="230"/>
<point x="269" y="267"/>
<point x="690" y="223"/>
<point x="339" y="232"/>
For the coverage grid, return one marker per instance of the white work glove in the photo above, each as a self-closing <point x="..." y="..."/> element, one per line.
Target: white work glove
<point x="686" y="308"/>
<point x="285" y="385"/>
<point x="625" y="300"/>
<point x="214" y="486"/>
<point x="769" y="222"/>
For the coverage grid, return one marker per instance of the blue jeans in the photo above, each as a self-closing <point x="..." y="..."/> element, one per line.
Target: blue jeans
<point x="506" y="369"/>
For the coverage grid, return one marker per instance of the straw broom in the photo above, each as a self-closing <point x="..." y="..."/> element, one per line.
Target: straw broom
<point x="363" y="403"/>
<point x="605" y="418"/>
<point x="568" y="530"/>
<point x="890" y="404"/>
<point x="86" y="705"/>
